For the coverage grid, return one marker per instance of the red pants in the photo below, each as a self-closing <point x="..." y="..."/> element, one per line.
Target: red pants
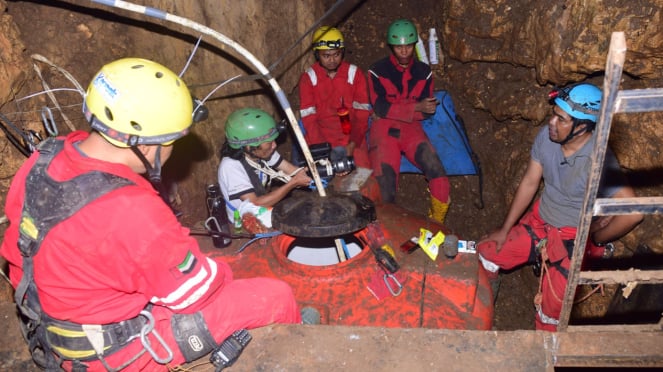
<point x="242" y="303"/>
<point x="360" y="155"/>
<point x="518" y="250"/>
<point x="387" y="141"/>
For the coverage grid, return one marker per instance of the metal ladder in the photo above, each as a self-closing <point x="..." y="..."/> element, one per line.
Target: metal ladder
<point x="614" y="101"/>
<point x="598" y="345"/>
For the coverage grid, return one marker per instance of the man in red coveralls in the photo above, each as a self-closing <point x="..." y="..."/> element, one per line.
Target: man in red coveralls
<point x="332" y="87"/>
<point x="402" y="95"/>
<point x="105" y="275"/>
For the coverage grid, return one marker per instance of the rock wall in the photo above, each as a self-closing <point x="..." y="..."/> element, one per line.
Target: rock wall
<point x="511" y="52"/>
<point x="80" y="36"/>
<point x="563" y="40"/>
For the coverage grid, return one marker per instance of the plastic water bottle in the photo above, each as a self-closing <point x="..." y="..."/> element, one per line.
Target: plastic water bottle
<point x="433" y="47"/>
<point x="218" y="219"/>
<point x="237" y="221"/>
<point x="420" y="50"/>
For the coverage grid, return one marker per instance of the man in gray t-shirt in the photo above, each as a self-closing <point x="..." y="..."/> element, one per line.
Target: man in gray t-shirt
<point x="566" y="177"/>
<point x="560" y="157"/>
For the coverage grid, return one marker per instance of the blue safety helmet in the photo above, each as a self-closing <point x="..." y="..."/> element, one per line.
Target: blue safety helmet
<point x="581" y="101"/>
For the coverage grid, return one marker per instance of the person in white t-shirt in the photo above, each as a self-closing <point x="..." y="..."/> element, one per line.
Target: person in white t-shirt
<point x="250" y="163"/>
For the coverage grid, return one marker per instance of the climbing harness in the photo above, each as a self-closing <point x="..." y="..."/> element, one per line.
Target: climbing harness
<point x="541" y="247"/>
<point x="55" y="340"/>
<point x="269" y="171"/>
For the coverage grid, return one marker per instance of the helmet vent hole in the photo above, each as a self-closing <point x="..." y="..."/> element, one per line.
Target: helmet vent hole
<point x="136" y="126"/>
<point x="109" y="113"/>
<point x="159" y="75"/>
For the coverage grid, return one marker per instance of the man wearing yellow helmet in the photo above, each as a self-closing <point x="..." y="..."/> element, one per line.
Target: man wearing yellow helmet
<point x="105" y="275"/>
<point x="333" y="89"/>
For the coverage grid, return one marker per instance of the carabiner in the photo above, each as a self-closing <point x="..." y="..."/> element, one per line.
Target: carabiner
<point x="391" y="277"/>
<point x="216" y="222"/>
<point x="147" y="328"/>
<point x="49" y="123"/>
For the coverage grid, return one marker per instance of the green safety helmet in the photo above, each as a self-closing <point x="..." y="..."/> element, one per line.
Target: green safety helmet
<point x="250" y="127"/>
<point x="402" y="32"/>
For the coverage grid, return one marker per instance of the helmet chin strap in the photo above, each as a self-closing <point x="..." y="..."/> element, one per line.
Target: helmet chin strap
<point x="251" y="152"/>
<point x="153" y="172"/>
<point x="573" y="133"/>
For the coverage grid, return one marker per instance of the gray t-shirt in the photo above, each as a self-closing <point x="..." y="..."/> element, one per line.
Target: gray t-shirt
<point x="565" y="179"/>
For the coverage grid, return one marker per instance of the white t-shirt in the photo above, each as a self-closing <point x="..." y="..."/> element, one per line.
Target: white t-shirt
<point x="235" y="182"/>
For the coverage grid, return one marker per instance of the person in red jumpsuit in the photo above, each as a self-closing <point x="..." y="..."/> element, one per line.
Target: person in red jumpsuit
<point x="332" y="87"/>
<point x="401" y="91"/>
<point x="120" y="282"/>
<point x="560" y="155"/>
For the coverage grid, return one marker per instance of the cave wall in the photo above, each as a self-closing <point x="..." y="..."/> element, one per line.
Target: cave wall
<point x="512" y="52"/>
<point x="80" y="36"/>
<point x="563" y="40"/>
<point x="500" y="60"/>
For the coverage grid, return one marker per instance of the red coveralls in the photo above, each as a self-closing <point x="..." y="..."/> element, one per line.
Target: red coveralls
<point x="320" y="98"/>
<point x="126" y="249"/>
<point x="520" y="248"/>
<point x="394" y="93"/>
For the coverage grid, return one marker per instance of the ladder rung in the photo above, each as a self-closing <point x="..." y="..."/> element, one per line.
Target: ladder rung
<point x="639" y="100"/>
<point x="621" y="206"/>
<point x="621" y="277"/>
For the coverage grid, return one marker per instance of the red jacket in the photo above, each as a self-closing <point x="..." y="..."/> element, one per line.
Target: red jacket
<point x="320" y="98"/>
<point x="112" y="257"/>
<point x="396" y="90"/>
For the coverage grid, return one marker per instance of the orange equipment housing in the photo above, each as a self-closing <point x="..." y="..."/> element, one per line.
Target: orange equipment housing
<point x="449" y="293"/>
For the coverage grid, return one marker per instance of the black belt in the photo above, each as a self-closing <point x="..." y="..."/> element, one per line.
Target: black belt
<point x="71" y="342"/>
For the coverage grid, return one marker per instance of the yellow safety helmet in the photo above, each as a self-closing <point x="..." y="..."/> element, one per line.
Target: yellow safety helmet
<point x="135" y="101"/>
<point x="326" y="37"/>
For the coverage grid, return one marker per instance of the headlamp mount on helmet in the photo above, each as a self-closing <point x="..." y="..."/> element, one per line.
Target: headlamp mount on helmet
<point x="564" y="95"/>
<point x="237" y="143"/>
<point x="200" y="111"/>
<point x="326" y="37"/>
<point x="329" y="44"/>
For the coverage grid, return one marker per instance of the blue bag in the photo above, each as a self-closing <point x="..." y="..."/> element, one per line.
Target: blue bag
<point x="446" y="132"/>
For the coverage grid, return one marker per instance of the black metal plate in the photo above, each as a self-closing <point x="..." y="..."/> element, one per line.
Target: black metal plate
<point x="315" y="216"/>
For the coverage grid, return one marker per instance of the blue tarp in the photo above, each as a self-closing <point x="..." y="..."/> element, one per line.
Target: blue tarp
<point x="446" y="132"/>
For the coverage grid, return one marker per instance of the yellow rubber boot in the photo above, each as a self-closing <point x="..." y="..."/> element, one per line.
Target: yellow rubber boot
<point x="438" y="209"/>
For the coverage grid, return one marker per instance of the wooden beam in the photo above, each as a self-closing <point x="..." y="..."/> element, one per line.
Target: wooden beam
<point x="337" y="348"/>
<point x="622" y="277"/>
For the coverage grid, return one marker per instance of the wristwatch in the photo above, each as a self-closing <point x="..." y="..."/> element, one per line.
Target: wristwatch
<point x="609" y="248"/>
